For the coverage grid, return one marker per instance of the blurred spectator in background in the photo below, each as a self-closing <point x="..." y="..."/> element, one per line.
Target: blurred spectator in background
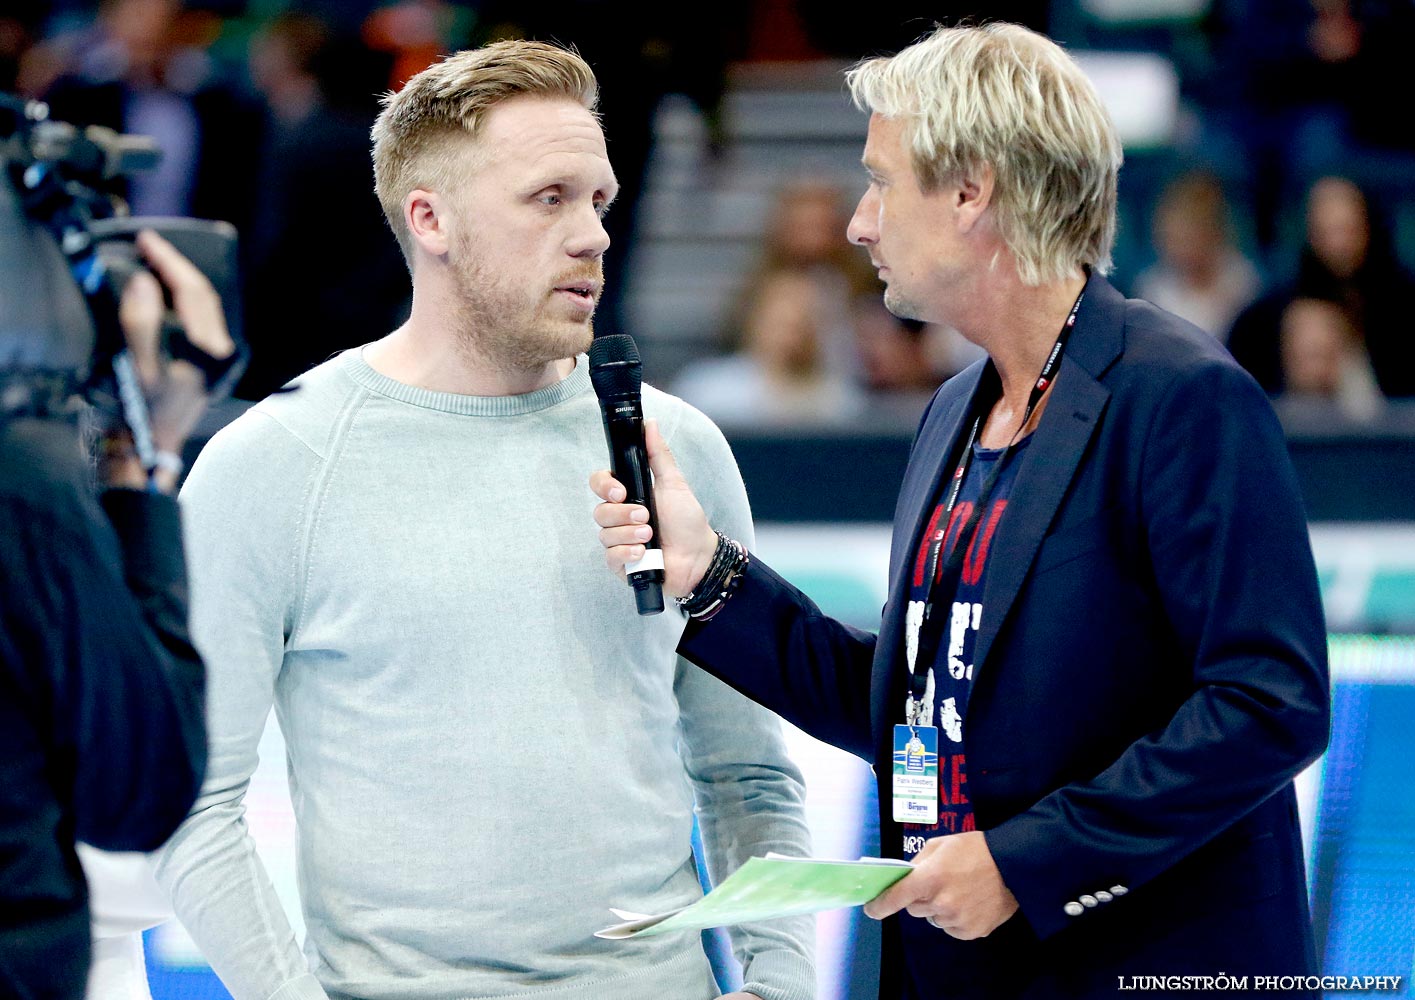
<point x="143" y="66"/>
<point x="803" y="234"/>
<point x="1347" y="259"/>
<point x="808" y="314"/>
<point x="1201" y="275"/>
<point x="1297" y="88"/>
<point x="894" y="354"/>
<point x="282" y="64"/>
<point x="902" y="363"/>
<point x="19" y="26"/>
<point x="780" y="376"/>
<point x="1325" y="371"/>
<point x="324" y="272"/>
<point x="814" y="343"/>
<point x="415" y="33"/>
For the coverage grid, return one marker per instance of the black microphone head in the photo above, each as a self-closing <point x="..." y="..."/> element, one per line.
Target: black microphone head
<point x="648" y="597"/>
<point x="615" y="368"/>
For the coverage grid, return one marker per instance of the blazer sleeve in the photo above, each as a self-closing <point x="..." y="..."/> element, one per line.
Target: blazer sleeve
<point x="772" y="643"/>
<point x="776" y="646"/>
<point x="1233" y="570"/>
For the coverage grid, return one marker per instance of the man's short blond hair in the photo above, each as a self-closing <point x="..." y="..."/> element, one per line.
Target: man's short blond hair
<point x="419" y="139"/>
<point x="1006" y="97"/>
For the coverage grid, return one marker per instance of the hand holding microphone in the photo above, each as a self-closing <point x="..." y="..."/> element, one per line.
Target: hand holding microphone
<point x="175" y="391"/>
<point x="654" y="530"/>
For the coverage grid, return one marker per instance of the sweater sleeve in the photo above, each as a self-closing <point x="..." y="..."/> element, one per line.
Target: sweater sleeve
<point x="244" y="504"/>
<point x="749" y="795"/>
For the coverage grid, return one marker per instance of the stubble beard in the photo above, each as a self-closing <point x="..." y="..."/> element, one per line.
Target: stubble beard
<point x="505" y="326"/>
<point x="900" y="305"/>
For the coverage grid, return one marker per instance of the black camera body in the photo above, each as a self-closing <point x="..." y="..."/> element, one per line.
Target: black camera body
<point x="67" y="252"/>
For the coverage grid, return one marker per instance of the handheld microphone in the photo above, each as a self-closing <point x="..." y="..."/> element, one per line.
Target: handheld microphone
<point x="617" y="375"/>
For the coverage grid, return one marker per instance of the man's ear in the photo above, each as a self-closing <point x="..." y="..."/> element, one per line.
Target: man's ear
<point x="974" y="193"/>
<point x="427" y="215"/>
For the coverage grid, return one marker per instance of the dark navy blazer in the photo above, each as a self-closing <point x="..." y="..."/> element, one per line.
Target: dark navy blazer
<point x="1150" y="670"/>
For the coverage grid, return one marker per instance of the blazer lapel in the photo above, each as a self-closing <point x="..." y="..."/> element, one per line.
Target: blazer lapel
<point x="1072" y="415"/>
<point x="1050" y="464"/>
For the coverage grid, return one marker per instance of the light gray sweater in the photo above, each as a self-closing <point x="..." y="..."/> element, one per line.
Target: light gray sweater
<point x="487" y="747"/>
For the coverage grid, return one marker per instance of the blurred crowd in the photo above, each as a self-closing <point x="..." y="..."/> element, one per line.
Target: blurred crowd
<point x="1327" y="333"/>
<point x="1279" y="218"/>
<point x="1276" y="219"/>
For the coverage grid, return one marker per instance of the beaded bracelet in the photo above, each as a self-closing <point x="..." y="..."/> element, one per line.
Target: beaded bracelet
<point x="722" y="579"/>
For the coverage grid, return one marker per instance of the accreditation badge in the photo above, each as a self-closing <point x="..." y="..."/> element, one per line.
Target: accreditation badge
<point x="916" y="774"/>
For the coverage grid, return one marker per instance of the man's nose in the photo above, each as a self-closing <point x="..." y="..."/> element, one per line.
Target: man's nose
<point x="864" y="224"/>
<point x="590" y="238"/>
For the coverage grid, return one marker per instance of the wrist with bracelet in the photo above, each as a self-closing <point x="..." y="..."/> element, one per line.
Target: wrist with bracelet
<point x="723" y="577"/>
<point x="119" y="464"/>
<point x="166" y="461"/>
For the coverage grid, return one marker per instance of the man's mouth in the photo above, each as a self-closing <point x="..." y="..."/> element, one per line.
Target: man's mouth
<point x="586" y="289"/>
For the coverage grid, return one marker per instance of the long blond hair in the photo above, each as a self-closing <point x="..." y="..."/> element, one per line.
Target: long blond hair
<point x="1006" y="97"/>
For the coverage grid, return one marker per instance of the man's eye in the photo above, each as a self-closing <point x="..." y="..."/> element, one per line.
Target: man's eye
<point x="601" y="208"/>
<point x="550" y="199"/>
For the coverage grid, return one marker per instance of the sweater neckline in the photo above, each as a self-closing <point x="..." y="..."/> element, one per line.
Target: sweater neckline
<point x="577" y="382"/>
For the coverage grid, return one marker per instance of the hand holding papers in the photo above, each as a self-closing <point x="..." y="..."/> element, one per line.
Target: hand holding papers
<point x="767" y="888"/>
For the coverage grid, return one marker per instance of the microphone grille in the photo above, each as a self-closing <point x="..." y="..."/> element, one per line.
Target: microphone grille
<point x="615" y="368"/>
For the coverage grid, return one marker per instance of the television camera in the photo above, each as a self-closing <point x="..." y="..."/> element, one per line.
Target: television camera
<point x="67" y="252"/>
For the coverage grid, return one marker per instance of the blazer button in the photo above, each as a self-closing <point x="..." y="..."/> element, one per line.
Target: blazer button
<point x="1104" y="896"/>
<point x="1088" y="901"/>
<point x="1118" y="890"/>
<point x="1074" y="909"/>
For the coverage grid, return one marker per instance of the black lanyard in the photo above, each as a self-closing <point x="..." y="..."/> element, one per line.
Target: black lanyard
<point x="946" y="584"/>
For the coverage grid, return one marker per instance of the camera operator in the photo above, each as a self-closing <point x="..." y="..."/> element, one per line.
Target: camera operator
<point x="102" y="735"/>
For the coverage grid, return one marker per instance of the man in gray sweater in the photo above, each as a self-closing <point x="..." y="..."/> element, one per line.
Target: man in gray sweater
<point x="487" y="747"/>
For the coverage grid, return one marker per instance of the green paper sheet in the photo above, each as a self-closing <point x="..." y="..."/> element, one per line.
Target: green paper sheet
<point x="767" y="888"/>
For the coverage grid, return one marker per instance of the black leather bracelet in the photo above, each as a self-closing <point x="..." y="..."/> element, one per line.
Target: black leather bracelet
<point x="717" y="566"/>
<point x="719" y="582"/>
